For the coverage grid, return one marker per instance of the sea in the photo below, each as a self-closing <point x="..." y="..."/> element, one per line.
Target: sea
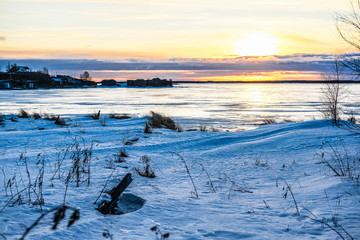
<point x="223" y="106"/>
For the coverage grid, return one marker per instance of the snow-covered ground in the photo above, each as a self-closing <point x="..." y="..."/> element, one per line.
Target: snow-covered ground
<point x="252" y="173"/>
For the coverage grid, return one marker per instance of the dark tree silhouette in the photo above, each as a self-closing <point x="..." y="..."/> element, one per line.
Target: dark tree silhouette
<point x="45" y="70"/>
<point x="85" y="76"/>
<point x="12" y="68"/>
<point x="348" y="27"/>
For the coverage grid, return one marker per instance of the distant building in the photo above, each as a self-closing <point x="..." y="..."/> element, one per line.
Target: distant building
<point x="23" y="69"/>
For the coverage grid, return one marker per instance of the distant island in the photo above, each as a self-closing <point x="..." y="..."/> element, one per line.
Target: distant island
<point x="22" y="77"/>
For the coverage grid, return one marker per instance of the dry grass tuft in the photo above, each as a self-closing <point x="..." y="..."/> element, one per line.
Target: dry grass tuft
<point x="36" y="116"/>
<point x="288" y="120"/>
<point x="119" y="116"/>
<point x="203" y="128"/>
<point x="148" y="129"/>
<point x="24" y="114"/>
<point x="206" y="129"/>
<point x="95" y="116"/>
<point x="146" y="171"/>
<point x="269" y="121"/>
<point x="156" y="120"/>
<point x="81" y="156"/>
<point x="121" y="155"/>
<point x="60" y="121"/>
<point x="260" y="163"/>
<point x="49" y="117"/>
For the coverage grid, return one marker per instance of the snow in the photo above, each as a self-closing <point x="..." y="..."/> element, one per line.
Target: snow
<point x="248" y="169"/>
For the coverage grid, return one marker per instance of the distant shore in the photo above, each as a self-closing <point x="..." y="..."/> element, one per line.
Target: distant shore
<point x="287" y="81"/>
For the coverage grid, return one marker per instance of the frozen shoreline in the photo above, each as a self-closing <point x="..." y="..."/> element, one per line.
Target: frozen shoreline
<point x="248" y="170"/>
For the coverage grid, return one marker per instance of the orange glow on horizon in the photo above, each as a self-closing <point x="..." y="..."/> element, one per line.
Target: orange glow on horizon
<point x="264" y="76"/>
<point x="203" y="76"/>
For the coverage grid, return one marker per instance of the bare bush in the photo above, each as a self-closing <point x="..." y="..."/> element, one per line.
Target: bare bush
<point x="333" y="92"/>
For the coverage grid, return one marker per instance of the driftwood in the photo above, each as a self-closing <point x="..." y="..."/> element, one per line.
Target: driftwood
<point x="109" y="207"/>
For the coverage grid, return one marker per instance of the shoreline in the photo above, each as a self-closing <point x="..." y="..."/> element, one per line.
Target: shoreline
<point x="192" y="82"/>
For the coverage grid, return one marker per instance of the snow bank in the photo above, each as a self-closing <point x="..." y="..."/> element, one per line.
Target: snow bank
<point x="243" y="180"/>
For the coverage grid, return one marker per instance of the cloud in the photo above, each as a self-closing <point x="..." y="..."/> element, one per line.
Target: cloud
<point x="2" y="38"/>
<point x="299" y="62"/>
<point x="183" y="68"/>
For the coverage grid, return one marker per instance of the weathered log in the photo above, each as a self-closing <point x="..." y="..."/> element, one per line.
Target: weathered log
<point x="109" y="207"/>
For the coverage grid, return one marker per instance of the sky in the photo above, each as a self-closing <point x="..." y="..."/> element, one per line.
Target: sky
<point x="211" y="33"/>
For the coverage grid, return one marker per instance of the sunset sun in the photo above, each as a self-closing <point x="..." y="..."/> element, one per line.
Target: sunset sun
<point x="256" y="44"/>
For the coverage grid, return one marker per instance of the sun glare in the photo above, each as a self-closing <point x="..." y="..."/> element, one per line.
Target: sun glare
<point x="256" y="44"/>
